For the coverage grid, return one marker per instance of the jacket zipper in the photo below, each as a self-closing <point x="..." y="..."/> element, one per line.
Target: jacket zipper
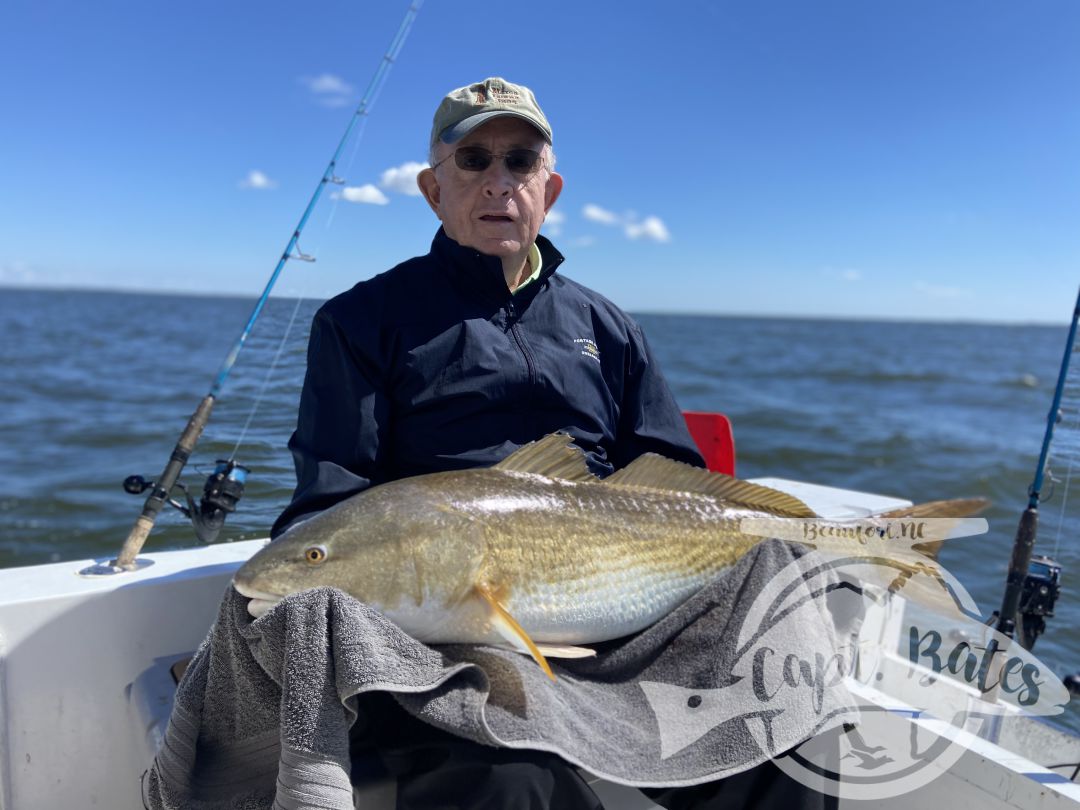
<point x="511" y="311"/>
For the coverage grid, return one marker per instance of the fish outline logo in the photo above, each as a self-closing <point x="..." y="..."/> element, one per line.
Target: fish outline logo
<point x="854" y="751"/>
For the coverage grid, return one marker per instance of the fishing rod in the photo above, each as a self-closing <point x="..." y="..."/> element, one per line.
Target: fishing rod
<point x="225" y="485"/>
<point x="1034" y="583"/>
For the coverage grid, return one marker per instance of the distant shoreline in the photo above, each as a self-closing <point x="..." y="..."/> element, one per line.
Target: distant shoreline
<point x="662" y="313"/>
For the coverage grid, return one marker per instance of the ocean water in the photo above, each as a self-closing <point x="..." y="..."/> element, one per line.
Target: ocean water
<point x="96" y="386"/>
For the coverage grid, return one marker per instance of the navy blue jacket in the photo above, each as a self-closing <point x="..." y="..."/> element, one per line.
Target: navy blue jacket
<point x="435" y="365"/>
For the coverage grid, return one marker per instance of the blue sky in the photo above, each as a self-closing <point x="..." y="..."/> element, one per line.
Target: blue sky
<point x="845" y="158"/>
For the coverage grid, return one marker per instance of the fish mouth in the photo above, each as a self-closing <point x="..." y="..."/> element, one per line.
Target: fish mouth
<point x="260" y="601"/>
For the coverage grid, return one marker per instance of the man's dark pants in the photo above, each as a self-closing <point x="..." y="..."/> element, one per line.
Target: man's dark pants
<point x="436" y="770"/>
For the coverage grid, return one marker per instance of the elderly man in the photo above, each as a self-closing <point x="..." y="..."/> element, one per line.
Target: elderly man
<point x="457" y="358"/>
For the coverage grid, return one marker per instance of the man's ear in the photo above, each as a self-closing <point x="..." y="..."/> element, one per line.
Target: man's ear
<point x="429" y="187"/>
<point x="552" y="190"/>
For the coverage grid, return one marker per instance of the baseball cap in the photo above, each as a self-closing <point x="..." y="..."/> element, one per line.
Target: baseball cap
<point x="466" y="108"/>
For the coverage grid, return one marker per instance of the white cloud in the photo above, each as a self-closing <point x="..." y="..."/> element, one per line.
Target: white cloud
<point x="402" y="179"/>
<point x="851" y="275"/>
<point x="257" y="180"/>
<point x="329" y="83"/>
<point x="583" y="241"/>
<point x="366" y="193"/>
<point x="554" y="221"/>
<point x="328" y="89"/>
<point x="649" y="228"/>
<point x="598" y="214"/>
<point x="940" y="290"/>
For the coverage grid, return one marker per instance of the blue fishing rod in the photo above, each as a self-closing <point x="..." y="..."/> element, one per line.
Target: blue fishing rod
<point x="1033" y="585"/>
<point x="225" y="486"/>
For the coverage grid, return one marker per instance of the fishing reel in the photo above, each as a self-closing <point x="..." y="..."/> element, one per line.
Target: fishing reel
<point x="222" y="491"/>
<point x="1040" y="592"/>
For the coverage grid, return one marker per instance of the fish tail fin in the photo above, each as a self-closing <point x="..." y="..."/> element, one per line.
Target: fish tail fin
<point x="931" y="590"/>
<point x="952" y="508"/>
<point x="905" y="543"/>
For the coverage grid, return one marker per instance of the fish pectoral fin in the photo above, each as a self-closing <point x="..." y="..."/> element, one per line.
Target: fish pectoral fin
<point x="506" y="626"/>
<point x="565" y="651"/>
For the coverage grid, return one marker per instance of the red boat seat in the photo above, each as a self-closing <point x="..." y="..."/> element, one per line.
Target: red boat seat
<point x="712" y="434"/>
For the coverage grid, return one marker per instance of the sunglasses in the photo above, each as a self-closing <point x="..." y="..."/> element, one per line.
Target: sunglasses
<point x="521" y="162"/>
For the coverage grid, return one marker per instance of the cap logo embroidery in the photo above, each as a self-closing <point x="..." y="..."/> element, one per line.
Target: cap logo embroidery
<point x="504" y="96"/>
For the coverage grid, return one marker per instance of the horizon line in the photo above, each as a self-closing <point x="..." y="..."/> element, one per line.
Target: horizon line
<point x="691" y="313"/>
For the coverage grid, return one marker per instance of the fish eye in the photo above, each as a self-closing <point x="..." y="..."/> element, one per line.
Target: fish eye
<point x="315" y="554"/>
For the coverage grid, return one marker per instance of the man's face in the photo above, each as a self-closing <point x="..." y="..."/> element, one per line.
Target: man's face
<point x="495" y="211"/>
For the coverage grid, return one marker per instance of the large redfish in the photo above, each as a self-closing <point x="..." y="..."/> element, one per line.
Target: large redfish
<point x="534" y="551"/>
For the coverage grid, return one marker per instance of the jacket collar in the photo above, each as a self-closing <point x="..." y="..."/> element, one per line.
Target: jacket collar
<point x="484" y="273"/>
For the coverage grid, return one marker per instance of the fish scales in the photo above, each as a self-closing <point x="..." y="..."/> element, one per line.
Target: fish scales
<point x="594" y="533"/>
<point x="563" y="551"/>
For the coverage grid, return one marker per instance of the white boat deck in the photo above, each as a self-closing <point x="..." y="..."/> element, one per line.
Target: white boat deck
<point x="85" y="688"/>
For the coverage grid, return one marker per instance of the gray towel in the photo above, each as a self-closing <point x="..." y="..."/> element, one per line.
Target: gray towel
<point x="262" y="716"/>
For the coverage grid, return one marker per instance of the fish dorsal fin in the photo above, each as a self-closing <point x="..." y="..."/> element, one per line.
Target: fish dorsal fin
<point x="554" y="456"/>
<point x="651" y="471"/>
